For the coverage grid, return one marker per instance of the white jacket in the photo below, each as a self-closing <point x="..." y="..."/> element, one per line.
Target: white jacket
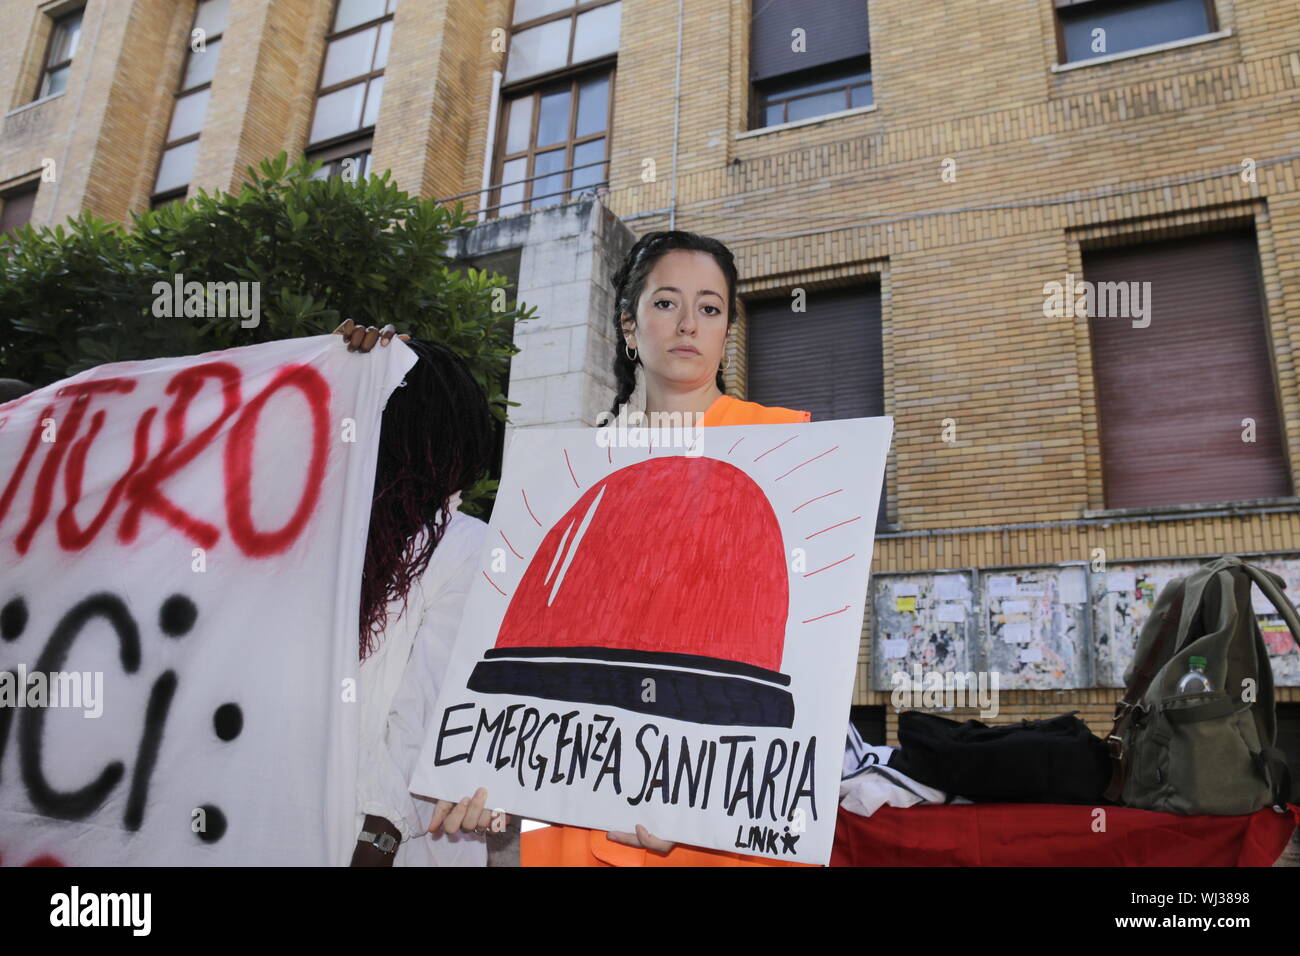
<point x="398" y="691"/>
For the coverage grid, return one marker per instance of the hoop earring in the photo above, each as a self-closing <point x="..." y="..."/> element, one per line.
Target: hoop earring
<point x="723" y="368"/>
<point x="630" y="356"/>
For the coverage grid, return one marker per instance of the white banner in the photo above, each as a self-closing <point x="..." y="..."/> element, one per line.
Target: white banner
<point x="667" y="636"/>
<point x="181" y="543"/>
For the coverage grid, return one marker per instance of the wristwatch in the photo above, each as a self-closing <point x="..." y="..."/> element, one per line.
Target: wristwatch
<point x="383" y="842"/>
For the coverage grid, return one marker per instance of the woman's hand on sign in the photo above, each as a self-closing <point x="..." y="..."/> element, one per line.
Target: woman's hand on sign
<point x="470" y="813"/>
<point x="643" y="838"/>
<point x="362" y="338"/>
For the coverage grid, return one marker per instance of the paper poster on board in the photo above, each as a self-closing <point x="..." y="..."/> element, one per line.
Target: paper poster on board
<point x="667" y="636"/>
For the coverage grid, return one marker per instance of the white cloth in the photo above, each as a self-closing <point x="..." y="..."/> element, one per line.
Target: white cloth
<point x="869" y="784"/>
<point x="876" y="786"/>
<point x="858" y="753"/>
<point x="239" y="744"/>
<point x="399" y="686"/>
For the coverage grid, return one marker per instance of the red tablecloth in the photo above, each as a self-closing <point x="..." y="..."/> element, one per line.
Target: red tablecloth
<point x="1052" y="834"/>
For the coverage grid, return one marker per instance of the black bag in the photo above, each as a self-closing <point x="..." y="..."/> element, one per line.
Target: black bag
<point x="1035" y="761"/>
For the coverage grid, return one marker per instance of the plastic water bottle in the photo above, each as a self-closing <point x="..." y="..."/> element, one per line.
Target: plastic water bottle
<point x="1195" y="681"/>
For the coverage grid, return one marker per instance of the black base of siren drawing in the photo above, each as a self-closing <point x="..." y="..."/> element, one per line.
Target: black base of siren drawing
<point x="699" y="689"/>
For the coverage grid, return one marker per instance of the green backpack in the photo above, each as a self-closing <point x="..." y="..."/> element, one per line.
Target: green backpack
<point x="1202" y="751"/>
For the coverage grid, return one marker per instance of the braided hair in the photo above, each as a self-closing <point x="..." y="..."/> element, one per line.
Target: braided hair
<point x="436" y="438"/>
<point x="629" y="281"/>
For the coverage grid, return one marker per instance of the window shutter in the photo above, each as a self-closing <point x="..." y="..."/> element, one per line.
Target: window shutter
<point x="16" y="208"/>
<point x="828" y="360"/>
<point x="835" y="30"/>
<point x="1172" y="396"/>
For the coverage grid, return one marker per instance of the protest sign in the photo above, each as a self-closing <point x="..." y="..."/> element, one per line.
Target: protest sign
<point x="181" y="544"/>
<point x="667" y="636"/>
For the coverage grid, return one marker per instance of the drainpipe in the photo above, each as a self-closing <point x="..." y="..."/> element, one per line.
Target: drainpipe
<point x="677" y="114"/>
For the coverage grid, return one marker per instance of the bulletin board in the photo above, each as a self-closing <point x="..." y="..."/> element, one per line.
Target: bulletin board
<point x="1036" y="632"/>
<point x="926" y="620"/>
<point x="1283" y="653"/>
<point x="1053" y="627"/>
<point x="1123" y="596"/>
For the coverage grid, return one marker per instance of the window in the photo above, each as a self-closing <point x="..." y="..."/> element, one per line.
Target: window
<point x="58" y="57"/>
<point x="556" y="141"/>
<point x="176" y="167"/>
<point x="1092" y="28"/>
<point x="808" y="60"/>
<point x="551" y="35"/>
<point x="1186" y="401"/>
<point x="350" y="161"/>
<point x="351" y="86"/>
<point x="16" y="207"/>
<point x="804" y="97"/>
<point x="828" y="360"/>
<point x="157" y="202"/>
<point x="553" y="139"/>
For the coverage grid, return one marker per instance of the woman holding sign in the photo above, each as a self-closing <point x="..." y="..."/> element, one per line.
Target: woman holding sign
<point x="676" y="296"/>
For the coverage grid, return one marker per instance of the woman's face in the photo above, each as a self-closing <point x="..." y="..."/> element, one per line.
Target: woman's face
<point x="681" y="319"/>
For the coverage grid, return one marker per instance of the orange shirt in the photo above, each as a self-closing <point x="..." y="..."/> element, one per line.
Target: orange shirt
<point x="578" y="846"/>
<point x="732" y="411"/>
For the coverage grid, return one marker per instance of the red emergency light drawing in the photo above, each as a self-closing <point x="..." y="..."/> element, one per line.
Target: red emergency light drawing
<point x="663" y="590"/>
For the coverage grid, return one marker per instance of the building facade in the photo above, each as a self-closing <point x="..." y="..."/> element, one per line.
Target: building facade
<point x="1058" y="241"/>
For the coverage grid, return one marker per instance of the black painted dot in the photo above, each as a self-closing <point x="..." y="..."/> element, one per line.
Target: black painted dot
<point x="13" y="619"/>
<point x="228" y="721"/>
<point x="177" y="615"/>
<point x="214" y="824"/>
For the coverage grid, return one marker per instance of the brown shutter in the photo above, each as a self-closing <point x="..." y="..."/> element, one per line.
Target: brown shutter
<point x="827" y="361"/>
<point x="835" y="30"/>
<point x="17" y="208"/>
<point x="1172" y="396"/>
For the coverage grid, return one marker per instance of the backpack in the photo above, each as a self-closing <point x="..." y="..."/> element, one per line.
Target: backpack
<point x="1214" y="751"/>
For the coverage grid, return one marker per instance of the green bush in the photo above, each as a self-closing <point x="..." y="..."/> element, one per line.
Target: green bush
<point x="322" y="250"/>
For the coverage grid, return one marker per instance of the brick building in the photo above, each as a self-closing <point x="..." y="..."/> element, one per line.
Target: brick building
<point x="902" y="185"/>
